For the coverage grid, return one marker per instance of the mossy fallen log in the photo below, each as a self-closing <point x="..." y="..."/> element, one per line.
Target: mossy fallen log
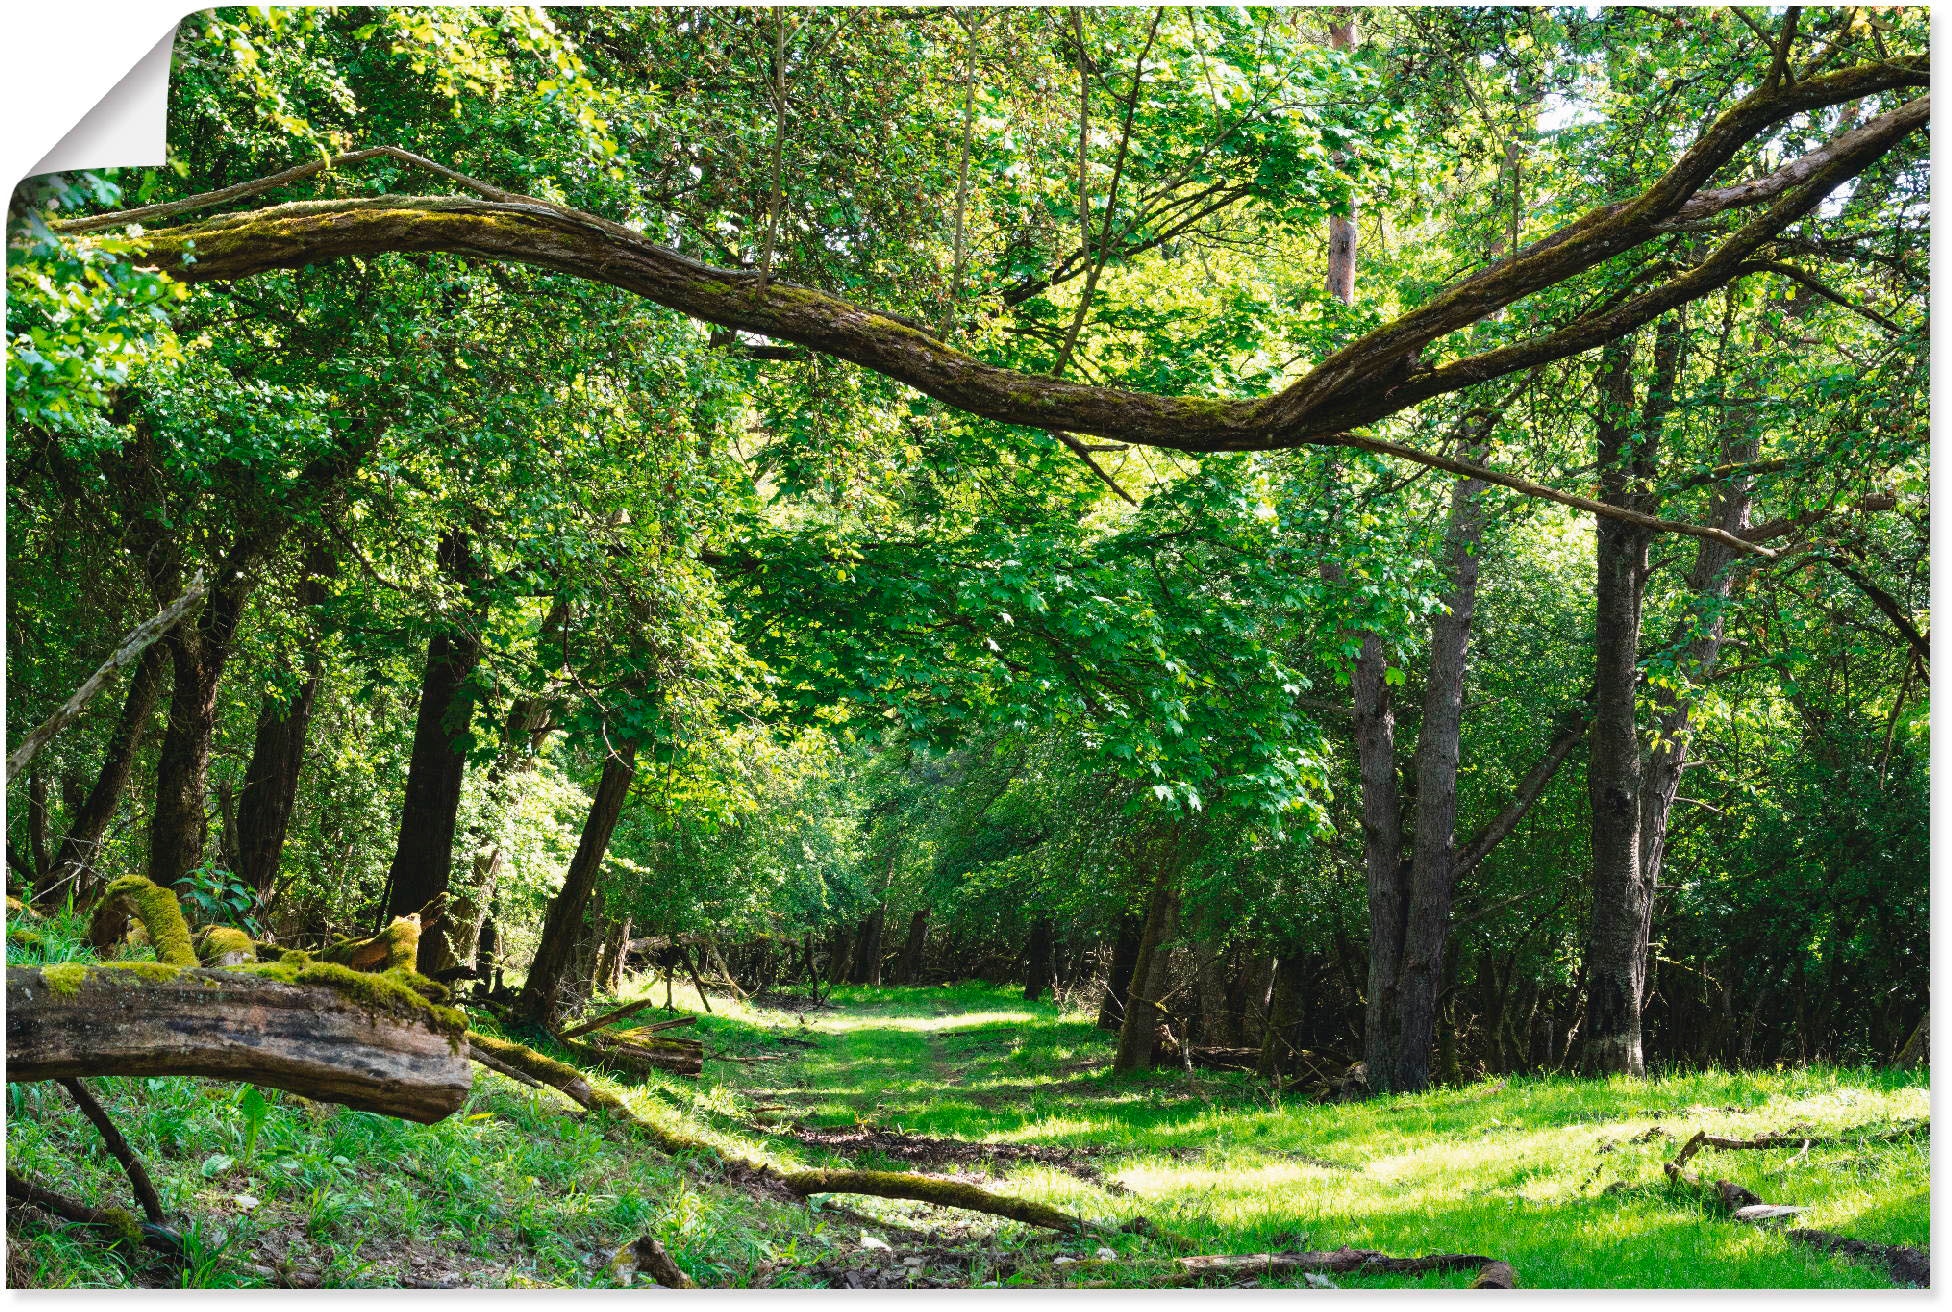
<point x="928" y="1189"/>
<point x="394" y="948"/>
<point x="372" y="1042"/>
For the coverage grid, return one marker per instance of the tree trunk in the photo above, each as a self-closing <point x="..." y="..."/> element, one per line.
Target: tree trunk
<point x="1137" y="1034"/>
<point x="37" y="823"/>
<point x="1918" y="1048"/>
<point x="1039" y="965"/>
<point x="271" y="780"/>
<point x="867" y="950"/>
<point x="564" y="924"/>
<point x="841" y="956"/>
<point x="1623" y="901"/>
<point x="910" y="967"/>
<point x="1118" y="981"/>
<point x="423" y="858"/>
<point x="1382" y="844"/>
<point x="1281" y="1038"/>
<point x="1342" y="228"/>
<point x="278" y="753"/>
<point x="198" y="651"/>
<point x="75" y="857"/>
<point x="1420" y="975"/>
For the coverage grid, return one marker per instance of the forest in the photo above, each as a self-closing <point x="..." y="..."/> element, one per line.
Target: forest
<point x="978" y="647"/>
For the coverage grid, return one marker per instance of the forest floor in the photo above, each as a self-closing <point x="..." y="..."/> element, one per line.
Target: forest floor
<point x="1557" y="1176"/>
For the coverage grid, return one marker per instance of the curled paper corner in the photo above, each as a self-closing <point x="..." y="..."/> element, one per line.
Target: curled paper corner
<point x="128" y="127"/>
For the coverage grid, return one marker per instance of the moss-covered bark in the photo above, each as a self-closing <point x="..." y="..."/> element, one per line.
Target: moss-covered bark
<point x="157" y="910"/>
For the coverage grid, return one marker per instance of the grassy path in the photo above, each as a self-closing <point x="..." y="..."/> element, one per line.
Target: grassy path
<point x="1559" y="1177"/>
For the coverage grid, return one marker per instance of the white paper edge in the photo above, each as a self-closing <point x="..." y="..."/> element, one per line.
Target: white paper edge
<point x="128" y="127"/>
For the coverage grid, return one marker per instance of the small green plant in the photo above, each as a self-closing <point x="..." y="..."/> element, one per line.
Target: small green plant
<point x="212" y="895"/>
<point x="255" y="1106"/>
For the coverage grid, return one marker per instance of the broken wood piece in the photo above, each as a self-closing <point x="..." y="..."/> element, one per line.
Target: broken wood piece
<point x="577" y="1031"/>
<point x="649" y="1256"/>
<point x="1496" y="1275"/>
<point x="1906" y="1266"/>
<point x="322" y="1031"/>
<point x="656" y="1027"/>
<point x="500" y="1067"/>
<point x="1762" y="1213"/>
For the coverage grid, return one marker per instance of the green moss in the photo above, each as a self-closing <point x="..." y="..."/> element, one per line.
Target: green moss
<point x="395" y="947"/>
<point x="160" y="914"/>
<point x="219" y="941"/>
<point x="392" y="992"/>
<point x="122" y="1223"/>
<point x="403" y="943"/>
<point x="65" y="978"/>
<point x="31" y="939"/>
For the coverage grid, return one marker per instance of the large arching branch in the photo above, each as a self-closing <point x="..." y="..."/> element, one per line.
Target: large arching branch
<point x="1368" y="380"/>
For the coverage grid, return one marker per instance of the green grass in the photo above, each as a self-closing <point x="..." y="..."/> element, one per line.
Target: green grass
<point x="1556" y="1176"/>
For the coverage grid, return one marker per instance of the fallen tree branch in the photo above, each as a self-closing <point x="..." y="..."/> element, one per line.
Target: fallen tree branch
<point x="500" y="1067"/>
<point x="1906" y="1266"/>
<point x="928" y="1189"/>
<point x="673" y="1055"/>
<point x="133" y="645"/>
<point x="577" y="1031"/>
<point x="122" y="1224"/>
<point x="323" y="1031"/>
<point x="118" y="1148"/>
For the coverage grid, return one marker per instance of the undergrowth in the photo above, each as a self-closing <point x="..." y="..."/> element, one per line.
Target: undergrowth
<point x="1558" y="1176"/>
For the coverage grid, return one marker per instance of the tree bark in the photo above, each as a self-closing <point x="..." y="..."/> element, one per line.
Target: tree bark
<point x="75" y="857"/>
<point x="910" y="968"/>
<point x="1427" y="918"/>
<point x="867" y="949"/>
<point x="1342" y="227"/>
<point x="198" y="652"/>
<point x="560" y="931"/>
<point x="1118" y="980"/>
<point x="1616" y="956"/>
<point x="423" y="858"/>
<point x="1039" y="960"/>
<point x="1382" y="845"/>
<point x="278" y="755"/>
<point x="1138" y="1031"/>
